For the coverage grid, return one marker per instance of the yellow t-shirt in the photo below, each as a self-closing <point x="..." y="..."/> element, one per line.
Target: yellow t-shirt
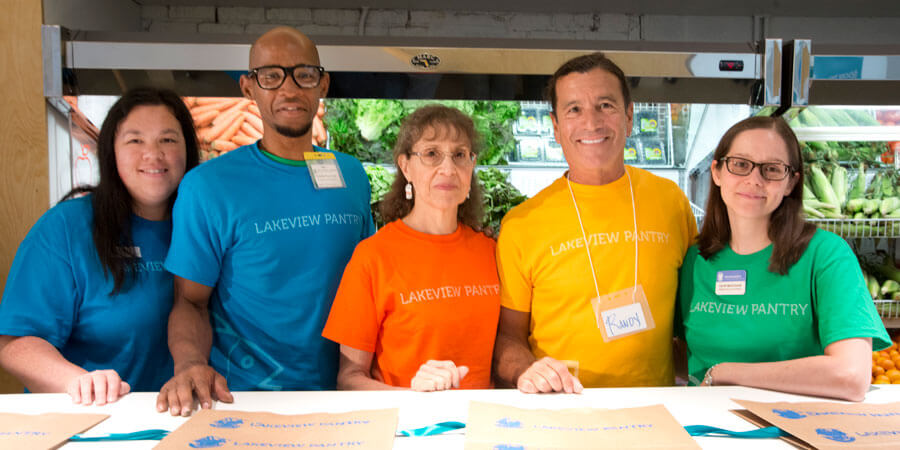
<point x="544" y="270"/>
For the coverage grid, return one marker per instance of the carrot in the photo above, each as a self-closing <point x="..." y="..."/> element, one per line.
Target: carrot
<point x="200" y="101"/>
<point x="241" y="139"/>
<point x="189" y="101"/>
<point x="223" y="146"/>
<point x="204" y="119"/>
<point x="228" y="114"/>
<point x="231" y="129"/>
<point x="321" y="111"/>
<point x="254" y="121"/>
<point x="254" y="108"/>
<point x="214" y="106"/>
<point x="249" y="131"/>
<point x="221" y="123"/>
<point x="320" y="136"/>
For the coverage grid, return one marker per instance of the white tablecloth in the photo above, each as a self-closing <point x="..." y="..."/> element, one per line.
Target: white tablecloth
<point x="689" y="405"/>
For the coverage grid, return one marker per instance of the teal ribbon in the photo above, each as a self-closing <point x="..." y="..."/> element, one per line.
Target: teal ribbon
<point x="431" y="430"/>
<point x="760" y="433"/>
<point x="143" y="435"/>
<point x="444" y="427"/>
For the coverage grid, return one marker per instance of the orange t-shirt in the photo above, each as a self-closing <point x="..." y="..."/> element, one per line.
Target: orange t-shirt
<point x="409" y="297"/>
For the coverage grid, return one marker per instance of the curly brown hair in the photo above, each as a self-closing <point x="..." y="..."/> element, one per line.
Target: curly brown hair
<point x="395" y="205"/>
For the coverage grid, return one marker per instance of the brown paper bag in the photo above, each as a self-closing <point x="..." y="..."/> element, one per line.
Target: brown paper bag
<point x="826" y="425"/>
<point x="240" y="429"/>
<point x="43" y="431"/>
<point x="505" y="427"/>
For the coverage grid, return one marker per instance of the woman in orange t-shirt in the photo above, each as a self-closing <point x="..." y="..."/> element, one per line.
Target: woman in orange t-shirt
<point x="419" y="301"/>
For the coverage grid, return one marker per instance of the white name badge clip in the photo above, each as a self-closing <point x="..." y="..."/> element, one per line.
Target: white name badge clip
<point x="731" y="282"/>
<point x="324" y="170"/>
<point x="623" y="313"/>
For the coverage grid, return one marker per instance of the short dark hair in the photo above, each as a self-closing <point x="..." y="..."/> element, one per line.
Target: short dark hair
<point x="110" y="200"/>
<point x="789" y="232"/>
<point x="395" y="205"/>
<point x="584" y="64"/>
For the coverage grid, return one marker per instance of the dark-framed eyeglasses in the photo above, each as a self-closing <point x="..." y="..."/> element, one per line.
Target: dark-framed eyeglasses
<point x="772" y="171"/>
<point x="434" y="158"/>
<point x="272" y="77"/>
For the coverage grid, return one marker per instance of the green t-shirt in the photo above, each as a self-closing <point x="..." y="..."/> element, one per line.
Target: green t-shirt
<point x="822" y="299"/>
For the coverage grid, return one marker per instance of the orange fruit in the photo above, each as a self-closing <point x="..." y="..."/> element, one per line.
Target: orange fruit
<point x="893" y="375"/>
<point x="881" y="379"/>
<point x="894" y="354"/>
<point x="886" y="364"/>
<point x="878" y="370"/>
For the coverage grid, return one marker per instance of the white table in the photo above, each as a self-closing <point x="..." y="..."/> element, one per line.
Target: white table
<point x="689" y="405"/>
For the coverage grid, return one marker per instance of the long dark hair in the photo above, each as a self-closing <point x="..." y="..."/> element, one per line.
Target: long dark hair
<point x="789" y="232"/>
<point x="111" y="201"/>
<point x="395" y="205"/>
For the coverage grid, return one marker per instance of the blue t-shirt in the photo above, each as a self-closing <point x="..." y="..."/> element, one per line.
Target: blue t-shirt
<point x="274" y="248"/>
<point x="57" y="290"/>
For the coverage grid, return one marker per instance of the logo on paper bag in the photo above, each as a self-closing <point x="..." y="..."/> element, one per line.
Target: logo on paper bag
<point x="834" y="435"/>
<point x="507" y="423"/>
<point x="788" y="414"/>
<point x="228" y="422"/>
<point x="208" y="442"/>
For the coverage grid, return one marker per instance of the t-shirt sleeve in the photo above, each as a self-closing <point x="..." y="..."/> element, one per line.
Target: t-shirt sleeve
<point x="197" y="249"/>
<point x="515" y="285"/>
<point x="685" y="293"/>
<point x="41" y="295"/>
<point x="354" y="319"/>
<point x="690" y="221"/>
<point x="844" y="308"/>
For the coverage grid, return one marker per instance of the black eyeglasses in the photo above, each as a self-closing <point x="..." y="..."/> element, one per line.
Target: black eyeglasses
<point x="771" y="171"/>
<point x="272" y="77"/>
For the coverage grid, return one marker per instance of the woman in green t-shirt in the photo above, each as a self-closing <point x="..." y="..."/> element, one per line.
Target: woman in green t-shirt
<point x="766" y="299"/>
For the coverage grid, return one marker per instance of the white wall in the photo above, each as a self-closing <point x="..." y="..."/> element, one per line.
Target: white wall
<point x="525" y="25"/>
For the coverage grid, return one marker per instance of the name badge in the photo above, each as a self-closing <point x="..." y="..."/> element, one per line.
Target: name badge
<point x="324" y="170"/>
<point x="731" y="282"/>
<point x="623" y="313"/>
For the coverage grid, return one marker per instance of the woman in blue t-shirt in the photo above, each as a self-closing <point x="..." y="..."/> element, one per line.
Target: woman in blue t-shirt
<point x="765" y="299"/>
<point x="87" y="299"/>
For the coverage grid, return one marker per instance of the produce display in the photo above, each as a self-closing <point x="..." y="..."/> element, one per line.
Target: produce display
<point x="226" y="123"/>
<point x="499" y="194"/>
<point x="886" y="365"/>
<point x="830" y="193"/>
<point x="367" y="128"/>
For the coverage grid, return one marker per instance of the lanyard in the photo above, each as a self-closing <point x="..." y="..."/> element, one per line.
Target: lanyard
<point x="587" y="247"/>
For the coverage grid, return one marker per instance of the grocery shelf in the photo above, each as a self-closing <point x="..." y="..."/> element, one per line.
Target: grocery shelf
<point x="860" y="228"/>
<point x="889" y="310"/>
<point x="883" y="133"/>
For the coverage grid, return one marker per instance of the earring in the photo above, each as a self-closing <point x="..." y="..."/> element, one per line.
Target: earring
<point x="468" y="194"/>
<point x="408" y="190"/>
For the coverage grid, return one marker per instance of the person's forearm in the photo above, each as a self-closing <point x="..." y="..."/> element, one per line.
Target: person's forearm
<point x="190" y="334"/>
<point x="359" y="381"/>
<point x="512" y="357"/>
<point x="37" y="363"/>
<point x="831" y="377"/>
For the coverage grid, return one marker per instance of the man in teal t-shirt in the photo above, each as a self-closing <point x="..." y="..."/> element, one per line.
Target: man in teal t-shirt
<point x="260" y="239"/>
<point x="760" y="316"/>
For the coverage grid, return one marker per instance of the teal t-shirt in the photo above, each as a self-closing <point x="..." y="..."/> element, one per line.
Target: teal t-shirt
<point x="822" y="299"/>
<point x="274" y="248"/>
<point x="57" y="290"/>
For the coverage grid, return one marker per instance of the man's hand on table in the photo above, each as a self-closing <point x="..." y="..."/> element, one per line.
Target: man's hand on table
<point x="177" y="395"/>
<point x="548" y="375"/>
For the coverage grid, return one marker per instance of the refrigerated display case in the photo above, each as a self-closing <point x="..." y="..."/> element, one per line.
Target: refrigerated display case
<point x="856" y="146"/>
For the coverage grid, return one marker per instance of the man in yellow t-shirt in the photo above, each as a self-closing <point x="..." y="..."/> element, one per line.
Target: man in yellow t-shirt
<point x="589" y="266"/>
